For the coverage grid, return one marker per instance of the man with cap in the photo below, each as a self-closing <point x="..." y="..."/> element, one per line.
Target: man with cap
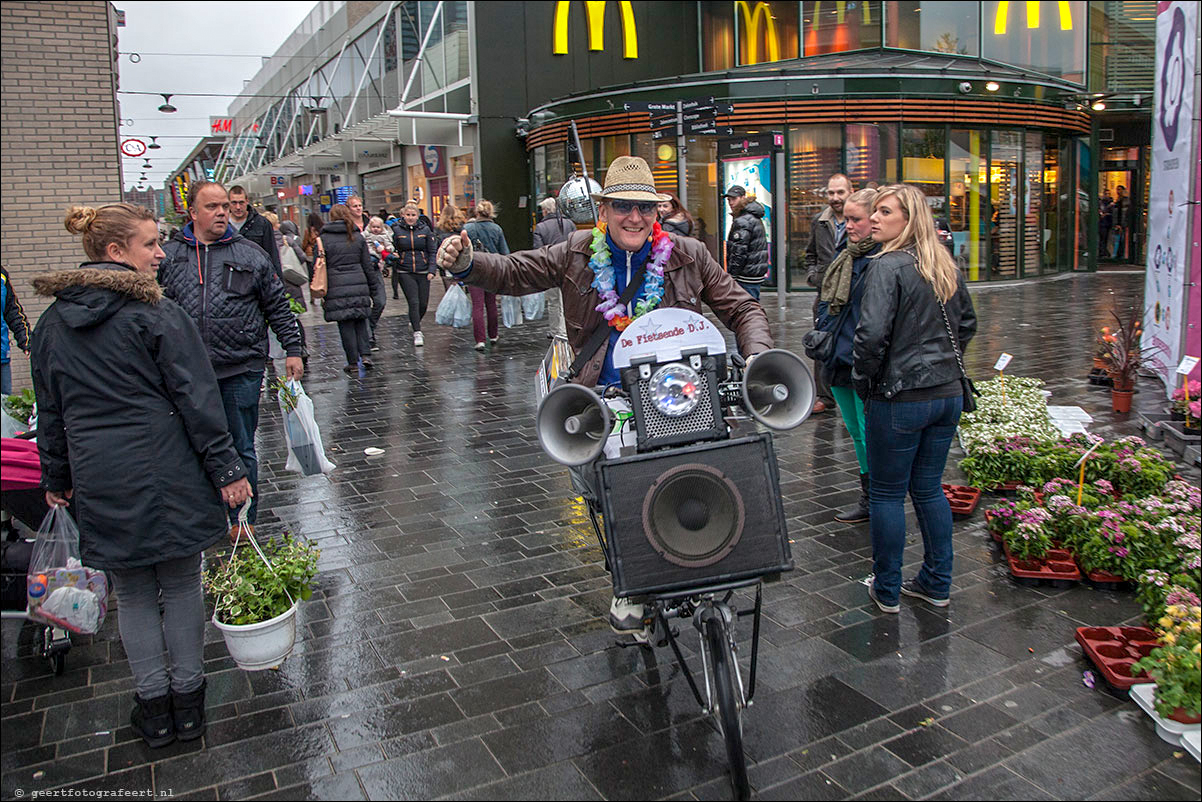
<point x="627" y="209"/>
<point x="747" y="255"/>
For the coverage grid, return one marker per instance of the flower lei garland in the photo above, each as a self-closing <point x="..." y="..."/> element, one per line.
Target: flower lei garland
<point x="603" y="278"/>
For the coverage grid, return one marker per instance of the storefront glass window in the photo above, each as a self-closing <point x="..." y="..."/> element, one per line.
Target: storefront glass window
<point x="1083" y="187"/>
<point x="462" y="176"/>
<point x="923" y="151"/>
<point x="814" y="155"/>
<point x="968" y="207"/>
<point x="870" y="153"/>
<point x="557" y="167"/>
<point x="1052" y="222"/>
<point x="1005" y="193"/>
<point x="939" y="27"/>
<point x="701" y="170"/>
<point x="1033" y="232"/>
<point x="767" y="31"/>
<point x="609" y="148"/>
<point x="660" y="155"/>
<point x="1044" y="36"/>
<point x="1122" y="44"/>
<point x="833" y="27"/>
<point x="717" y="36"/>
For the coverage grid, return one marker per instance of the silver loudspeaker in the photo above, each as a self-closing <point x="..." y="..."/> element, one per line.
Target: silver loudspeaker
<point x="778" y="389"/>
<point x="573" y="424"/>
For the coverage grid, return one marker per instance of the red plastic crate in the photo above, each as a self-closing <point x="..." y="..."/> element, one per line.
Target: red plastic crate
<point x="1114" y="650"/>
<point x="1057" y="568"/>
<point x="962" y="499"/>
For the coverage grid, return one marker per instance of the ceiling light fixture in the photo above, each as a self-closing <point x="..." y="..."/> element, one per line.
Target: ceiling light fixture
<point x="992" y="86"/>
<point x="153" y="145"/>
<point x="167" y="108"/>
<point x="1098" y="106"/>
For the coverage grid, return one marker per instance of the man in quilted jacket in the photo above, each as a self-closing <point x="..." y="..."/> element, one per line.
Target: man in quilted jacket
<point x="229" y="287"/>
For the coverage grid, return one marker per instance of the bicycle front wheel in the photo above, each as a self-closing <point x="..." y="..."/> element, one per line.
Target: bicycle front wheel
<point x="728" y="707"/>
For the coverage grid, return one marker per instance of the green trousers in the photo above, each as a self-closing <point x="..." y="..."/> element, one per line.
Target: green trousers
<point x="852" y="410"/>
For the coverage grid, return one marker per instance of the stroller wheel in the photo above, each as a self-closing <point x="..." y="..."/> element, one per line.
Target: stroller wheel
<point x="55" y="645"/>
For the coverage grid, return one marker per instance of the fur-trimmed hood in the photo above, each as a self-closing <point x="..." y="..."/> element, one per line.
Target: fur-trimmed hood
<point x="94" y="291"/>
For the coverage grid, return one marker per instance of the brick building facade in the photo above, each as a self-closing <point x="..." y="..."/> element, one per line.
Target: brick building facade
<point x="58" y="141"/>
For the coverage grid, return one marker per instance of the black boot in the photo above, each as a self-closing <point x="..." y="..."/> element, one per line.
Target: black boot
<point x="151" y="718"/>
<point x="189" y="712"/>
<point x="858" y="513"/>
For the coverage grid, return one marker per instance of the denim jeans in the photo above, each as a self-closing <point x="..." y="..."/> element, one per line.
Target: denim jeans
<point x="6" y="378"/>
<point x="165" y="649"/>
<point x="907" y="444"/>
<point x="752" y="289"/>
<point x="240" y="397"/>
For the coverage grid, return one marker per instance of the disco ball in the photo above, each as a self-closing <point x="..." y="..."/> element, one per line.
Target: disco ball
<point x="574" y="199"/>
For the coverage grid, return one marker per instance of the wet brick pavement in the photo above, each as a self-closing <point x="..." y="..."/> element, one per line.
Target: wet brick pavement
<point x="457" y="646"/>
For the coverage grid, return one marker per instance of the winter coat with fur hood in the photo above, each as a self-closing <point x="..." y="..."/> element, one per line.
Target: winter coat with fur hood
<point x="129" y="417"/>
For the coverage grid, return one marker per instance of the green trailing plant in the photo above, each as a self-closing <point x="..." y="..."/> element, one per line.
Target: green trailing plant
<point x="295" y="306"/>
<point x="20" y="406"/>
<point x="248" y="591"/>
<point x="286" y="394"/>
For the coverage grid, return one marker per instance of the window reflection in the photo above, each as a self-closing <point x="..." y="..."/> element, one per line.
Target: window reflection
<point x="1005" y="192"/>
<point x="968" y="202"/>
<point x="814" y="155"/>
<point x="870" y="154"/>
<point x="767" y="31"/>
<point x="939" y="27"/>
<point x="833" y="27"/>
<point x="1044" y="36"/>
<point x="922" y="164"/>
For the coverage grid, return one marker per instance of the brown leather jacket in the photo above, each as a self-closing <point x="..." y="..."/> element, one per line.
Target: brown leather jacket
<point x="690" y="277"/>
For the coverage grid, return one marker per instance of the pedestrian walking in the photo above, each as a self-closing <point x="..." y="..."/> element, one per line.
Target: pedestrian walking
<point x="486" y="237"/>
<point x="554" y="227"/>
<point x="828" y="236"/>
<point x="361" y="218"/>
<point x="916" y="317"/>
<point x="379" y="245"/>
<point x="12" y="320"/>
<point x="674" y="218"/>
<point x="839" y="303"/>
<point x="450" y="222"/>
<point x="351" y="276"/>
<point x="748" y="258"/>
<point x="415" y="246"/>
<point x="296" y="291"/>
<point x="254" y="227"/>
<point x="132" y="436"/>
<point x="228" y="287"/>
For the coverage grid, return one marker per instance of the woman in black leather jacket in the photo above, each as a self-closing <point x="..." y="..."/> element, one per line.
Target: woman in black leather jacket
<point x="908" y="370"/>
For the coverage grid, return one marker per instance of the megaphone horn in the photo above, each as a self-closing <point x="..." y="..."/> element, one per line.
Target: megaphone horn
<point x="778" y="389"/>
<point x="573" y="424"/>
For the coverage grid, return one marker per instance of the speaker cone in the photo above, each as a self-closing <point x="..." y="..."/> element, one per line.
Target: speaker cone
<point x="693" y="515"/>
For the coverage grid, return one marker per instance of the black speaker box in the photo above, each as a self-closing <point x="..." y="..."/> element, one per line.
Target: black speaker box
<point x="693" y="516"/>
<point x="657" y="430"/>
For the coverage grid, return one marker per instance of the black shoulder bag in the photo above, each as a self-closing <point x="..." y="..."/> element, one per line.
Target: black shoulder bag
<point x="601" y="333"/>
<point x="969" y="389"/>
<point x="819" y="344"/>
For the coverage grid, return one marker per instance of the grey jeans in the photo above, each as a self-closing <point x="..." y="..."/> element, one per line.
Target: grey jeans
<point x="165" y="650"/>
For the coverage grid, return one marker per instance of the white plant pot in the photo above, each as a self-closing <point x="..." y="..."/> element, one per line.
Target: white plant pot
<point x="255" y="647"/>
<point x="1168" y="730"/>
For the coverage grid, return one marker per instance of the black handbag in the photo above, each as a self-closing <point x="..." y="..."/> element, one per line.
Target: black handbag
<point x="819" y="344"/>
<point x="966" y="386"/>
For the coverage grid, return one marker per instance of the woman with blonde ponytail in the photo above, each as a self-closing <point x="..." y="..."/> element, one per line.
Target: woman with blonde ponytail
<point x="916" y="317"/>
<point x="132" y="436"/>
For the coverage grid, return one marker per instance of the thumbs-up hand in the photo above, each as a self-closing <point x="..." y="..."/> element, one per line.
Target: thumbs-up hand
<point x="455" y="253"/>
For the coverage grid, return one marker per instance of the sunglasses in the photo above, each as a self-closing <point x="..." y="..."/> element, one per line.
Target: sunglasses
<point x="646" y="208"/>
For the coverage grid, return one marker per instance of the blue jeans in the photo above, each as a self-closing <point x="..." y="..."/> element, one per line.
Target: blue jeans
<point x="240" y="397"/>
<point x="6" y="378"/>
<point x="752" y="289"/>
<point x="907" y="444"/>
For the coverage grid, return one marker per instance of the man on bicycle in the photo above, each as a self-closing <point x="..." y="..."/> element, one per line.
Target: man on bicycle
<point x="593" y="268"/>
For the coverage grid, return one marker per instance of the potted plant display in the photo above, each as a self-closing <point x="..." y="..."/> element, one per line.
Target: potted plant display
<point x="1123" y="360"/>
<point x="257" y="591"/>
<point x="1174" y="665"/>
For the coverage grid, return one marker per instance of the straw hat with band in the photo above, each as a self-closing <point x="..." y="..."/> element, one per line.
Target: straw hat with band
<point x="629" y="178"/>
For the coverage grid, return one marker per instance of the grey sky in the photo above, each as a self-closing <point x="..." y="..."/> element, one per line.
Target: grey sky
<point x="232" y="36"/>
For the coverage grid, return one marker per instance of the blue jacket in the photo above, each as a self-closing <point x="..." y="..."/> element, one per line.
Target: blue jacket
<point x="845" y="337"/>
<point x="12" y="318"/>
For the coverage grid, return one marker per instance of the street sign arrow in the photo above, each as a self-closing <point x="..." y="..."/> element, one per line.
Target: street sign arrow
<point x="660" y="120"/>
<point x="642" y="105"/>
<point x="701" y="113"/>
<point x="688" y="105"/>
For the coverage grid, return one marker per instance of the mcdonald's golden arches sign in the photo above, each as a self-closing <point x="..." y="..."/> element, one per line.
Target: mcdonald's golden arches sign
<point x="594" y="12"/>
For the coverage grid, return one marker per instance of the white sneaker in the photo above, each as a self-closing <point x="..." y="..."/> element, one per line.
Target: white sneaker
<point x="625" y="616"/>
<point x="479" y="346"/>
<point x="418" y="339"/>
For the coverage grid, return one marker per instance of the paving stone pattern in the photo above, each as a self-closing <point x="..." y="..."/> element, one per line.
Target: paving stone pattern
<point x="457" y="647"/>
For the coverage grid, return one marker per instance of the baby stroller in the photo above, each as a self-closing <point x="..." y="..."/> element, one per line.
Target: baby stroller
<point x="22" y="497"/>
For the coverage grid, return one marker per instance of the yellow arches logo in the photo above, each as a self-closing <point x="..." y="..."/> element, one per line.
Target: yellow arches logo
<point x="594" y="11"/>
<point x="1001" y="19"/>
<point x="751" y="23"/>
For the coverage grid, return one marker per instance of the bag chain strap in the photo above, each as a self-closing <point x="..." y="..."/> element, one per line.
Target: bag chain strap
<point x="948" y="326"/>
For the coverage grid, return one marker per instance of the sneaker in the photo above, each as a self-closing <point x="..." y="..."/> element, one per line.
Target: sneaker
<point x="885" y="608"/>
<point x="418" y="339"/>
<point x="917" y="591"/>
<point x="351" y="369"/>
<point x="367" y="363"/>
<point x="625" y="616"/>
<point x="479" y="346"/>
<point x="493" y="340"/>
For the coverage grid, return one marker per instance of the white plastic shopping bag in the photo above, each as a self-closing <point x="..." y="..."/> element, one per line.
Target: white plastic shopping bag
<point x="455" y="308"/>
<point x="534" y="307"/>
<point x="511" y="310"/>
<point x="59" y="589"/>
<point x="306" y="455"/>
